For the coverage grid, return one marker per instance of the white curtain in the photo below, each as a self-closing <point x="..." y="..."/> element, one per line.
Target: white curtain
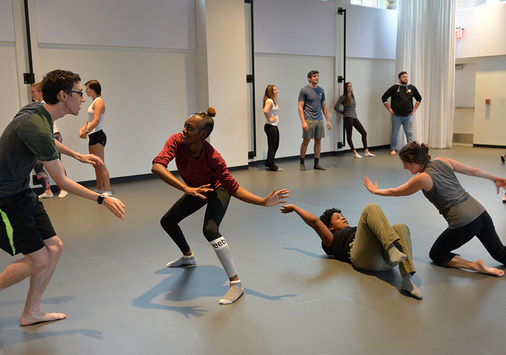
<point x="426" y="50"/>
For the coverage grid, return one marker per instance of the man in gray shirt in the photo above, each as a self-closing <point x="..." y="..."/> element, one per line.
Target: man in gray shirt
<point x="25" y="227"/>
<point x="311" y="106"/>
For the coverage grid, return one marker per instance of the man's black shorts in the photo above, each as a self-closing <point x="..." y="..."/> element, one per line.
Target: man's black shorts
<point x="24" y="224"/>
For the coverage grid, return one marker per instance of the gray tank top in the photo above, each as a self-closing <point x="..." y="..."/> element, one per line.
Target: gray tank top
<point x="453" y="202"/>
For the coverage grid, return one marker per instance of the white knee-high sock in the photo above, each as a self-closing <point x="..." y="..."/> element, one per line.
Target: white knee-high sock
<point x="224" y="254"/>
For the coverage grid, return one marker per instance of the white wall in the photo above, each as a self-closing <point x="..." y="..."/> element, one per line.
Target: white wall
<point x="484" y="46"/>
<point x="227" y="87"/>
<point x="168" y="24"/>
<point x="6" y="21"/>
<point x="484" y="30"/>
<point x="9" y="99"/>
<point x="489" y="119"/>
<point x="295" y="27"/>
<point x="289" y="74"/>
<point x="147" y="93"/>
<point x="370" y="79"/>
<point x="371" y="33"/>
<point x="465" y="83"/>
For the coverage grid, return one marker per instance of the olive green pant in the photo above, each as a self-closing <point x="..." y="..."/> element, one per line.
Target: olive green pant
<point x="369" y="250"/>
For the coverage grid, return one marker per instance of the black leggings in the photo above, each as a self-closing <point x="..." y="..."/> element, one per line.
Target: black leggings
<point x="217" y="203"/>
<point x="349" y="123"/>
<point x="451" y="239"/>
<point x="273" y="144"/>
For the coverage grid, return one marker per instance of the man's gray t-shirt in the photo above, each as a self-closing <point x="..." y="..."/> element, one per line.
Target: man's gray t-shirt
<point x="28" y="137"/>
<point x="312" y="99"/>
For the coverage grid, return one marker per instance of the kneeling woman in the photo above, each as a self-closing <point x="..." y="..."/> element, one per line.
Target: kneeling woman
<point x="206" y="180"/>
<point x="466" y="217"/>
<point x="373" y="245"/>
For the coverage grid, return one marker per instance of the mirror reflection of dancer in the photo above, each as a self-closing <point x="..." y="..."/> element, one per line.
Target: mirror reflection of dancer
<point x="466" y="217"/>
<point x="206" y="181"/>
<point x="25" y="227"/>
<point x="374" y="245"/>
<point x="97" y="137"/>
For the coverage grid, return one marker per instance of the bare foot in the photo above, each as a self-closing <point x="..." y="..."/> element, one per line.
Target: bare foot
<point x="484" y="269"/>
<point x="393" y="152"/>
<point x="27" y="319"/>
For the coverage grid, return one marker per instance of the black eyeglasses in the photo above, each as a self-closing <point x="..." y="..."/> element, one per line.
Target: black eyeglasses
<point x="80" y="93"/>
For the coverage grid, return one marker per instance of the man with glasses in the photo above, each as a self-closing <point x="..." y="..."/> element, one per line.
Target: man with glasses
<point x="24" y="224"/>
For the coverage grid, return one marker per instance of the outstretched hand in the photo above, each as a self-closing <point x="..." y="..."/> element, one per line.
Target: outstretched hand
<point x="198" y="191"/>
<point x="115" y="206"/>
<point x="275" y="197"/>
<point x="89" y="159"/>
<point x="370" y="186"/>
<point x="287" y="208"/>
<point x="499" y="181"/>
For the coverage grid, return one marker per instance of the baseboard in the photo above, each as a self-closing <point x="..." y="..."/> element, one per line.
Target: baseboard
<point x="489" y="146"/>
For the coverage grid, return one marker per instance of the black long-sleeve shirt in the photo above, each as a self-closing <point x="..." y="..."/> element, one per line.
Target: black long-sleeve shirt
<point x="402" y="98"/>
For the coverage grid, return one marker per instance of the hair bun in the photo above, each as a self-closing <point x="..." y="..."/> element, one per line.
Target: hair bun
<point x="211" y="111"/>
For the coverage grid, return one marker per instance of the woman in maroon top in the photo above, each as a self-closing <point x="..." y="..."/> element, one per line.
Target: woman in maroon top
<point x="206" y="180"/>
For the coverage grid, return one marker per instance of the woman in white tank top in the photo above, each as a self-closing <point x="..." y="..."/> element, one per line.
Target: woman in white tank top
<point x="271" y="126"/>
<point x="97" y="138"/>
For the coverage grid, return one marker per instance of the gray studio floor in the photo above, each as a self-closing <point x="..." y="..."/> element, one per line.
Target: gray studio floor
<point x="120" y="299"/>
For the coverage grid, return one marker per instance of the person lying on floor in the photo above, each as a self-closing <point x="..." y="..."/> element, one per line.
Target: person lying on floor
<point x="373" y="245"/>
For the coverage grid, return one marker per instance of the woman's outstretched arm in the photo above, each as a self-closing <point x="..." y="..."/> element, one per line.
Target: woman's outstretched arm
<point x="415" y="184"/>
<point x="469" y="170"/>
<point x="270" y="200"/>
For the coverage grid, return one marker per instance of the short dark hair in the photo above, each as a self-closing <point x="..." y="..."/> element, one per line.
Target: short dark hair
<point x="56" y="81"/>
<point x="95" y="86"/>
<point x="327" y="215"/>
<point x="311" y="73"/>
<point x="401" y="74"/>
<point x="415" y="153"/>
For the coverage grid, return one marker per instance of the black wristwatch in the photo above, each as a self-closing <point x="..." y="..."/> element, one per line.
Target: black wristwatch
<point x="100" y="199"/>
